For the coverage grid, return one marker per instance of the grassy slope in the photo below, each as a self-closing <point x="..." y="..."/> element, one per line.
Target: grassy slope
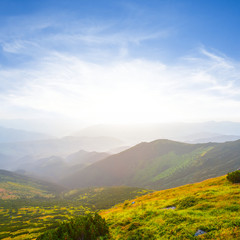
<point x="212" y="161"/>
<point x="14" y="186"/>
<point x="212" y="206"/>
<point x="161" y="164"/>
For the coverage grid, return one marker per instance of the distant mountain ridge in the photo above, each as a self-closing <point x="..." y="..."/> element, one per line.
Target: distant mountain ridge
<point x="13" y="152"/>
<point x="160" y="164"/>
<point x="135" y="133"/>
<point x="206" y="137"/>
<point x="8" y="135"/>
<point x="60" y="146"/>
<point x="54" y="168"/>
<point x="85" y="158"/>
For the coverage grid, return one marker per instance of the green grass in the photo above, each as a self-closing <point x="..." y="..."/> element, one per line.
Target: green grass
<point x="26" y="219"/>
<point x="212" y="206"/>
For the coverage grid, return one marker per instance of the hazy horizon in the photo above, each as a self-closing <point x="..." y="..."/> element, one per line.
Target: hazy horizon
<point x="127" y="134"/>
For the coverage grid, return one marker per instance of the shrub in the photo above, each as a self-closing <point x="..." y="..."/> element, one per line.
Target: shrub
<point x="79" y="228"/>
<point x="187" y="202"/>
<point x="234" y="177"/>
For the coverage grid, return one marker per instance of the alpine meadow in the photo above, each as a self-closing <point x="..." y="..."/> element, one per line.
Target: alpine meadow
<point x="119" y="120"/>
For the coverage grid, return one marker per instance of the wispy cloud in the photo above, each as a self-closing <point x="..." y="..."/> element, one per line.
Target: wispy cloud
<point x="36" y="36"/>
<point x="135" y="90"/>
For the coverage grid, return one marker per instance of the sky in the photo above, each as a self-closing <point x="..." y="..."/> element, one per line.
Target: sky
<point x="78" y="63"/>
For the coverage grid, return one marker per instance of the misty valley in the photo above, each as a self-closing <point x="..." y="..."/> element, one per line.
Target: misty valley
<point x="49" y="187"/>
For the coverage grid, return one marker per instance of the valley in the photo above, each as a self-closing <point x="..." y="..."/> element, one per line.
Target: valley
<point x="28" y="207"/>
<point x="210" y="207"/>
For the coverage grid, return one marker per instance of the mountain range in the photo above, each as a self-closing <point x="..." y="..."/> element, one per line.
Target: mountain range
<point x="54" y="168"/>
<point x="79" y="161"/>
<point x="205" y="137"/>
<point x="160" y="164"/>
<point x="12" y="153"/>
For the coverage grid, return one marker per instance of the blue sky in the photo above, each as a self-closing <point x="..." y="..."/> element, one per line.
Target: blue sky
<point x="173" y="27"/>
<point x="120" y="61"/>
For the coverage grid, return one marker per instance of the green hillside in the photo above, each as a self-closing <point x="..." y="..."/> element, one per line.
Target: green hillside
<point x="16" y="186"/>
<point x="160" y="164"/>
<point x="211" y="206"/>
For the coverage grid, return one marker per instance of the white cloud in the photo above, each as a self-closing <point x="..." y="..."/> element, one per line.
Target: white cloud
<point x="127" y="91"/>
